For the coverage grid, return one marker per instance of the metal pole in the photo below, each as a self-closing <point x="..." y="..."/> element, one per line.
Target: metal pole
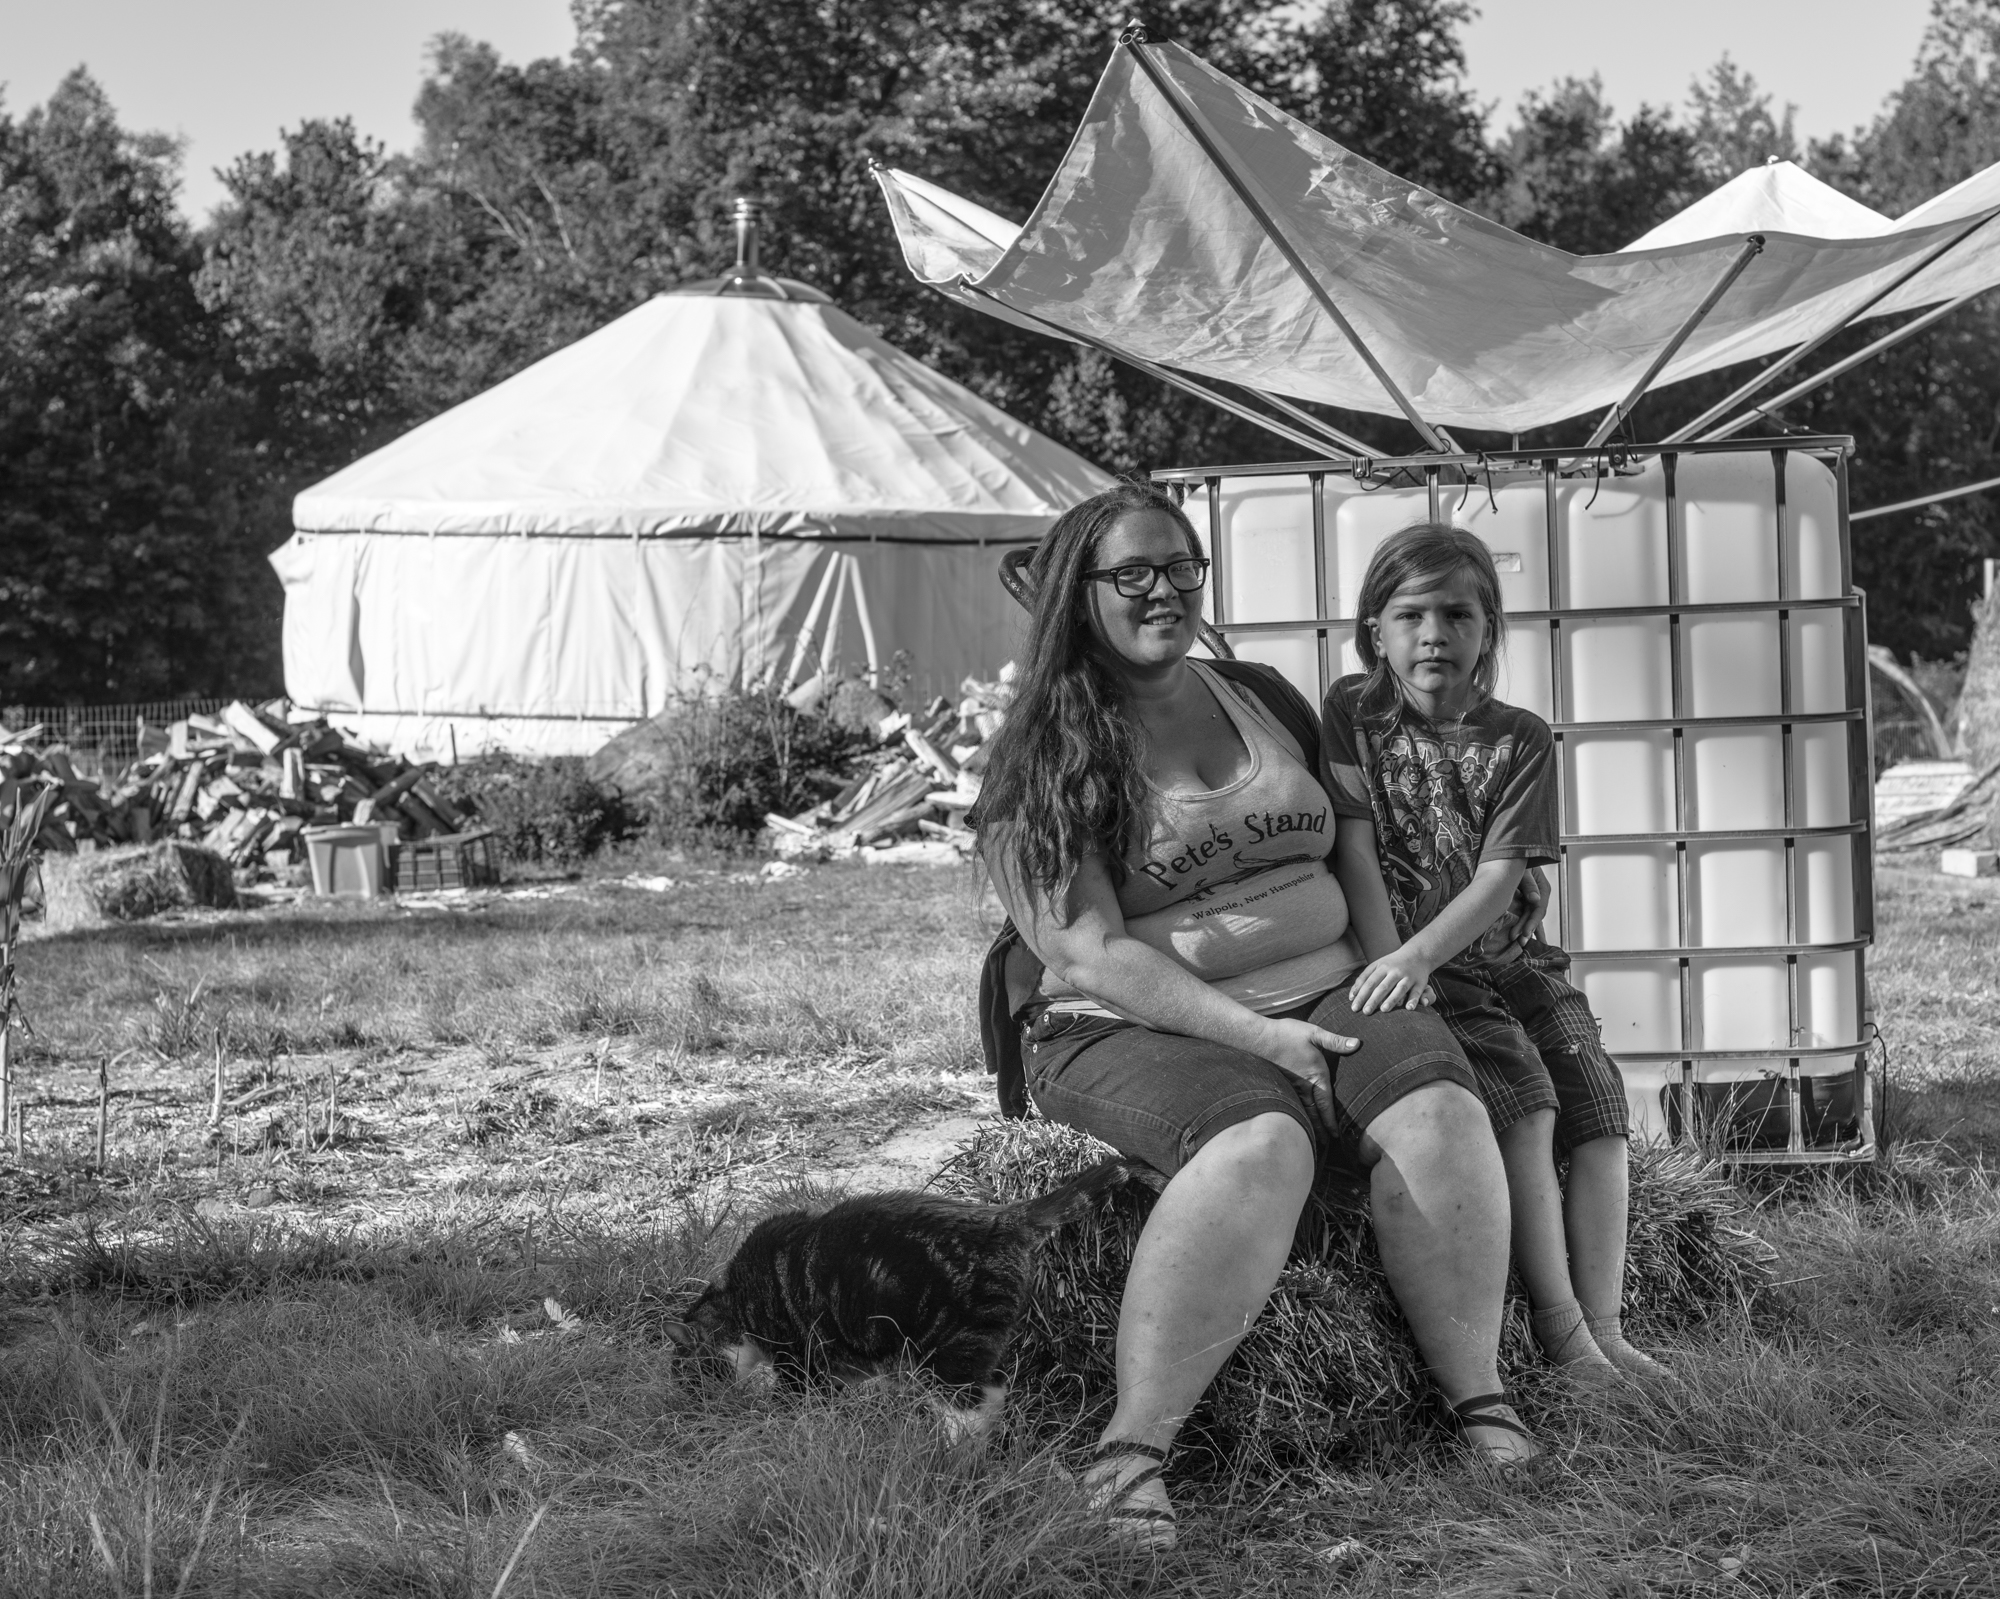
<point x="1753" y="246"/>
<point x="1323" y="638"/>
<point x="748" y="215"/>
<point x="1845" y="320"/>
<point x="1828" y="374"/>
<point x="1308" y="418"/>
<point x="1135" y="41"/>
<point x="1321" y="441"/>
<point x="1173" y="379"/>
<point x="1928" y="499"/>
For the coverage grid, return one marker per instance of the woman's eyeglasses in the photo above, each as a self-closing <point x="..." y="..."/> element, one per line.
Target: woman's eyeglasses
<point x="1136" y="581"/>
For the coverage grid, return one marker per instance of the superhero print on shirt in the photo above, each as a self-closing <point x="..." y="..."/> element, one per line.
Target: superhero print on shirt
<point x="1431" y="799"/>
<point x="1440" y="800"/>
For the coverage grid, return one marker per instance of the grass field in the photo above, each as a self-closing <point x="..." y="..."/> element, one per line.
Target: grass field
<point x="392" y="1324"/>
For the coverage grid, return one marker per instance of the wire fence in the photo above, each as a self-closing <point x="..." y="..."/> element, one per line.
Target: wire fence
<point x="102" y="739"/>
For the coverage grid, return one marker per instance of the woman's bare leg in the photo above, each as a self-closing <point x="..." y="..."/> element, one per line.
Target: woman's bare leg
<point x="1204" y="1266"/>
<point x="1439" y="1195"/>
<point x="1218" y="1236"/>
<point x="1203" y="1270"/>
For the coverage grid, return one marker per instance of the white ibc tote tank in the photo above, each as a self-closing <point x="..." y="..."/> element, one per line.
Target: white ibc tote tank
<point x="1686" y="621"/>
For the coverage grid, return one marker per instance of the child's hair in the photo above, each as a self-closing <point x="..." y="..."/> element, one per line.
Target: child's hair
<point x="1424" y="555"/>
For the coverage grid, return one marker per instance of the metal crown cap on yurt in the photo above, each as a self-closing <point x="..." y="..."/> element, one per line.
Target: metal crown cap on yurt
<point x="746" y="280"/>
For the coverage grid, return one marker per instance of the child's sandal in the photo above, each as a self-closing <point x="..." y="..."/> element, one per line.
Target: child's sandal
<point x="1496" y="1411"/>
<point x="1134" y="1507"/>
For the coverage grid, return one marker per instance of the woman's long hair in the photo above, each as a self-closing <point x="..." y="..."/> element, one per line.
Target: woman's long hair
<point x="1067" y="772"/>
<point x="1422" y="556"/>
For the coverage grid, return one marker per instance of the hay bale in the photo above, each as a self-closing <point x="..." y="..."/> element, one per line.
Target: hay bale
<point x="1329" y="1372"/>
<point x="132" y="883"/>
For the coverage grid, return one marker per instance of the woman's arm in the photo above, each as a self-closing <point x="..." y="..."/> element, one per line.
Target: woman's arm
<point x="1092" y="953"/>
<point x="1400" y="978"/>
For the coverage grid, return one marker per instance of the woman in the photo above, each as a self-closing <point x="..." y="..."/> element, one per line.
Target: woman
<point x="1161" y="844"/>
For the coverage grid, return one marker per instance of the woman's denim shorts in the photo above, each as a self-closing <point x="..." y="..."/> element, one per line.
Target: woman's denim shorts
<point x="1161" y="1096"/>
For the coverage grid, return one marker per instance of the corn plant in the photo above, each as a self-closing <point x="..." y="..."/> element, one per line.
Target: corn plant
<point x="18" y="833"/>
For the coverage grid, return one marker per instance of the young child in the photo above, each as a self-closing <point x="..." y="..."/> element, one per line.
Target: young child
<point x="1459" y="791"/>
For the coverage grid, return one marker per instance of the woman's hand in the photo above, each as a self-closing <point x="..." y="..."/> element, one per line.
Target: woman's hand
<point x="1399" y="979"/>
<point x="1508" y="941"/>
<point x="1299" y="1050"/>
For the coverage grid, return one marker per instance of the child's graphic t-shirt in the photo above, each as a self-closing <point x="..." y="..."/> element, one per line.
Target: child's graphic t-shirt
<point x="1442" y="798"/>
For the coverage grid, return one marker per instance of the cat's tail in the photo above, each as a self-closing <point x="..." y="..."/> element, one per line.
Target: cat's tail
<point x="1073" y="1200"/>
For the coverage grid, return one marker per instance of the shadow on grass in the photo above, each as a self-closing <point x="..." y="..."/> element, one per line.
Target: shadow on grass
<point x="1961" y="1113"/>
<point x="277" y="1414"/>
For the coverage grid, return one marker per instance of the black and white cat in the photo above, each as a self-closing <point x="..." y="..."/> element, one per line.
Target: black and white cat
<point x="883" y="1280"/>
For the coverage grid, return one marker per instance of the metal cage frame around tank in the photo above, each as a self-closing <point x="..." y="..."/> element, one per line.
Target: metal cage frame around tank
<point x="1450" y="475"/>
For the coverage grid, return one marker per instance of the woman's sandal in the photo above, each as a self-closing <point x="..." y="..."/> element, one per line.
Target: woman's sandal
<point x="1494" y="1410"/>
<point x="1135" y="1508"/>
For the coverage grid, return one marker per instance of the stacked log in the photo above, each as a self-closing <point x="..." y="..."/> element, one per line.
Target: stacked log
<point x="920" y="787"/>
<point x="244" y="784"/>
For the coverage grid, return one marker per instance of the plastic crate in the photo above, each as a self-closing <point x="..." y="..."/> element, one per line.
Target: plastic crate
<point x="347" y="862"/>
<point x="450" y="860"/>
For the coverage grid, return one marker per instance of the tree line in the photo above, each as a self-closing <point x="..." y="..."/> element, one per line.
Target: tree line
<point x="166" y="388"/>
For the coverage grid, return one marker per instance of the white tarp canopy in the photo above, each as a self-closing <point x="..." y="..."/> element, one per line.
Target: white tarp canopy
<point x="719" y="484"/>
<point x="1176" y="227"/>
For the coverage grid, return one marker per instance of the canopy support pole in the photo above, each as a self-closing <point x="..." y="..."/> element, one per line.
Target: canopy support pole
<point x="1298" y="413"/>
<point x="1926" y="499"/>
<point x="1186" y="384"/>
<point x="1135" y="41"/>
<point x="1753" y="246"/>
<point x="1828" y="374"/>
<point x="1722" y="408"/>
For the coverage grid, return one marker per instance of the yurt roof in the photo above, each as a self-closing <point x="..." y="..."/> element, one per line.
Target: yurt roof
<point x="1778" y="197"/>
<point x="722" y="412"/>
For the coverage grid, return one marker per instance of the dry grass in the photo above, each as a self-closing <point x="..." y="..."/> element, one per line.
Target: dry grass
<point x="1329" y="1376"/>
<point x="357" y="1388"/>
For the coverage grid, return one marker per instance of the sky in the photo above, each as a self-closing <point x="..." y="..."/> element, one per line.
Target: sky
<point x="227" y="75"/>
<point x="1836" y="60"/>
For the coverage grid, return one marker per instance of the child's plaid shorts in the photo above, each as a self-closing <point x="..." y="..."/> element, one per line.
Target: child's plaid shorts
<point x="1534" y="1045"/>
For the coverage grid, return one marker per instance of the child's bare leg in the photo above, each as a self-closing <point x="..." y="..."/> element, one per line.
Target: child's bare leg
<point x="1527" y="1149"/>
<point x="1595" y="1213"/>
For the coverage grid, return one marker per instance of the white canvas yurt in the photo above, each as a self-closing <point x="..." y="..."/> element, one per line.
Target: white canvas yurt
<point x="734" y="482"/>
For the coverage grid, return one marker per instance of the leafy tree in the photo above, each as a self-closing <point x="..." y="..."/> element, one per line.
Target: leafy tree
<point x="1384" y="78"/>
<point x="1926" y="415"/>
<point x="1578" y="180"/>
<point x="128" y="569"/>
<point x="1734" y="129"/>
<point x="309" y="272"/>
<point x="165" y="396"/>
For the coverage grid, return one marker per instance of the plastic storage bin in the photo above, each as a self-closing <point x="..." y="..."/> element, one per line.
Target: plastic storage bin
<point x="347" y="862"/>
<point x="1685" y="620"/>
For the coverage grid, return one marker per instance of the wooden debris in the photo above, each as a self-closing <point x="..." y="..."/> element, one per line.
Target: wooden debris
<point x="244" y="784"/>
<point x="900" y="797"/>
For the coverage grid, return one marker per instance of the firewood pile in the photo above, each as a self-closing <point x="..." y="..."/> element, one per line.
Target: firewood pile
<point x="919" y="788"/>
<point x="245" y="784"/>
